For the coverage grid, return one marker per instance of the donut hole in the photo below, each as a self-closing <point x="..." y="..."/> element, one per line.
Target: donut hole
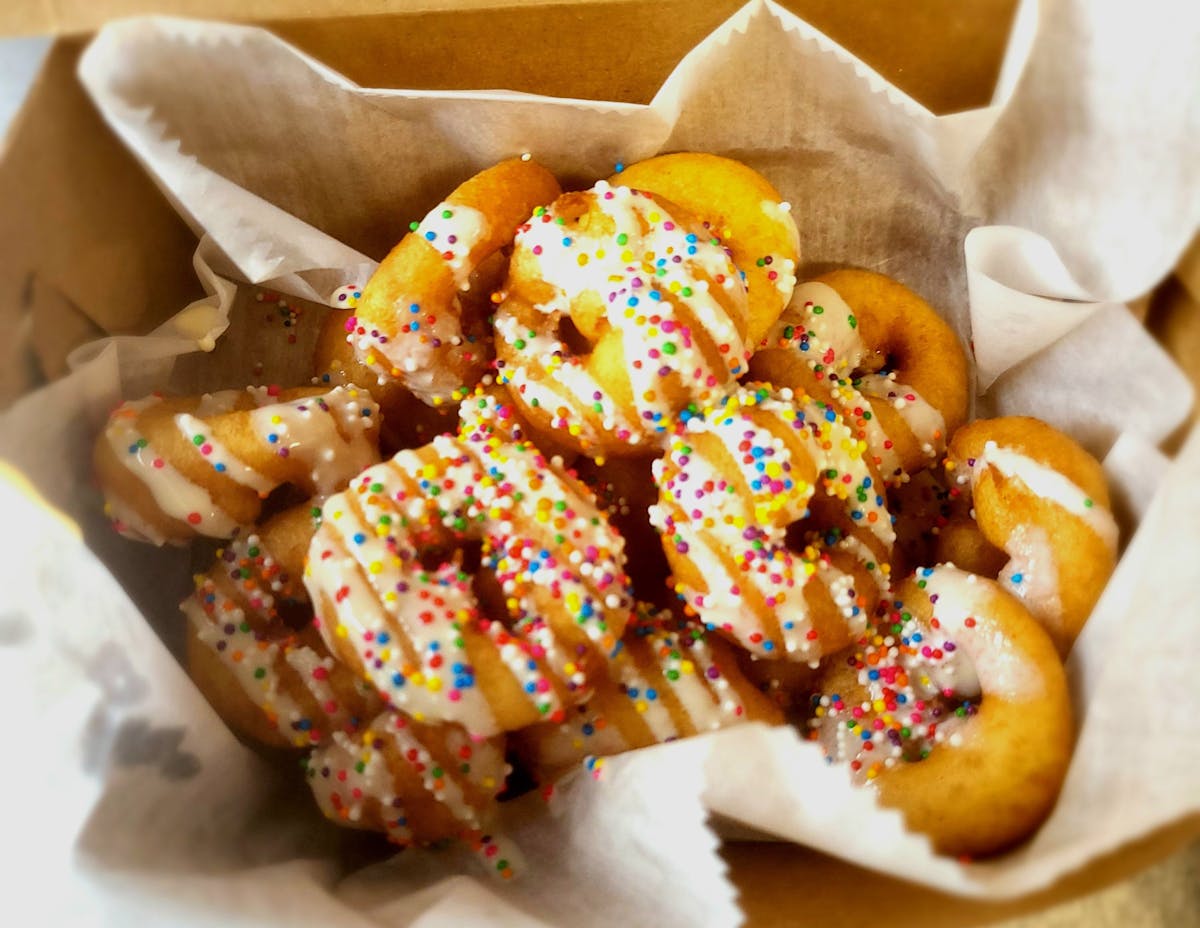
<point x="467" y="556"/>
<point x="577" y="344"/>
<point x="296" y="614"/>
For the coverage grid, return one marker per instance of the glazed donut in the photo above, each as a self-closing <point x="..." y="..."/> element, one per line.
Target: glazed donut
<point x="740" y="207"/>
<point x="1043" y="499"/>
<point x="736" y="490"/>
<point x="664" y="681"/>
<point x="418" y="784"/>
<point x="955" y="707"/>
<point x="619" y="314"/>
<point x="494" y="648"/>
<point x="174" y="468"/>
<point x="880" y="354"/>
<point x="409" y="323"/>
<point x="251" y="652"/>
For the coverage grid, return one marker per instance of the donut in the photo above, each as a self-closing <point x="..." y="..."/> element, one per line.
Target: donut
<point x="469" y="581"/>
<point x="250" y="650"/>
<point x="955" y="708"/>
<point x="877" y="351"/>
<point x="409" y="324"/>
<point x="740" y="207"/>
<point x="174" y="468"/>
<point x="664" y="682"/>
<point x="619" y="315"/>
<point x="417" y="784"/>
<point x="1043" y="500"/>
<point x="737" y="493"/>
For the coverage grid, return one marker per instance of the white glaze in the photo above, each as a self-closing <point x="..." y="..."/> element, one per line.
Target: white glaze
<point x="623" y="278"/>
<point x="378" y="588"/>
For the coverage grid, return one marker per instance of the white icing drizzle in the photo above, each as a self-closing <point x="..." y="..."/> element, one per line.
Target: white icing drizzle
<point x="704" y="694"/>
<point x="427" y="348"/>
<point x="174" y="494"/>
<point x="222" y="459"/>
<point x="1031" y="575"/>
<point x="654" y="278"/>
<point x="834" y="341"/>
<point x="358" y="782"/>
<point x="781" y="214"/>
<point x="454" y="230"/>
<point x="984" y="661"/>
<point x="737" y="542"/>
<point x="1050" y="485"/>
<point x="329" y="433"/>
<point x="365" y="561"/>
<point x="252" y="661"/>
<point x="1032" y="572"/>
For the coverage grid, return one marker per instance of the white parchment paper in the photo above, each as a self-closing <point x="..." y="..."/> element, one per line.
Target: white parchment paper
<point x="285" y="168"/>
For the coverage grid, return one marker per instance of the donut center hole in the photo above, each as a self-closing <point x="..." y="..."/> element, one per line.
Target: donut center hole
<point x="467" y="556"/>
<point x="577" y="344"/>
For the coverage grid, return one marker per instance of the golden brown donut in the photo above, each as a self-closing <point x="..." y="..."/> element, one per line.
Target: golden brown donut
<point x="418" y="784"/>
<point x="620" y="315"/>
<point x="665" y="681"/>
<point x="470" y="581"/>
<point x="174" y="468"/>
<point x="740" y="207"/>
<point x="1043" y="500"/>
<point x="409" y="324"/>
<point x="882" y="355"/>
<point x="762" y="495"/>
<point x="251" y="651"/>
<point x="960" y="717"/>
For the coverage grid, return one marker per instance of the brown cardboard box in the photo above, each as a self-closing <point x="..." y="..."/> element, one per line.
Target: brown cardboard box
<point x="90" y="247"/>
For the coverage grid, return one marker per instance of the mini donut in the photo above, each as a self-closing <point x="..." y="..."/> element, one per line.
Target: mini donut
<point x="174" y="468"/>
<point x="418" y="784"/>
<point x="410" y="323"/>
<point x="664" y="682"/>
<point x="743" y="210"/>
<point x="737" y="493"/>
<point x="955" y="708"/>
<point x="250" y="650"/>
<point x="883" y="356"/>
<point x="1043" y="500"/>
<point x="620" y="314"/>
<point x="493" y="647"/>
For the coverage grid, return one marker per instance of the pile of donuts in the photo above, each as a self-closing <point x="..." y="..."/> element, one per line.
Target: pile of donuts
<point x="583" y="472"/>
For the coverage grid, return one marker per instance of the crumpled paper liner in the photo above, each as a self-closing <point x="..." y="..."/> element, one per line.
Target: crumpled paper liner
<point x="294" y="175"/>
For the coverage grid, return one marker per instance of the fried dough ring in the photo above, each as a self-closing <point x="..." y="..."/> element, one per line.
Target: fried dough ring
<point x="978" y="779"/>
<point x="619" y="315"/>
<point x="1043" y="500"/>
<point x="174" y="468"/>
<point x="665" y="681"/>
<point x="840" y="332"/>
<point x="731" y="489"/>
<point x="250" y="649"/>
<point x="493" y="649"/>
<point x="743" y="210"/>
<point x="418" y="784"/>
<point x="409" y="324"/>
